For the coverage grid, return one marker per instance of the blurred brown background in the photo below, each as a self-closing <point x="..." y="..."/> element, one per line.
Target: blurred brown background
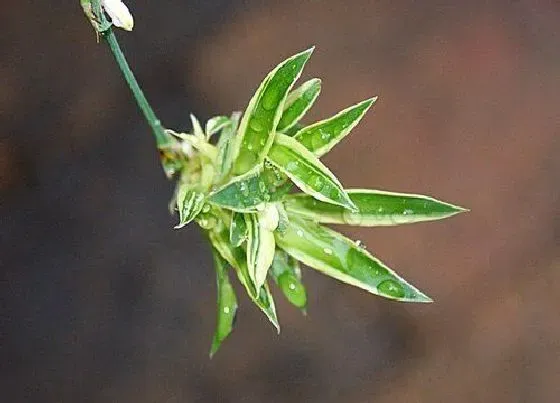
<point x="103" y="302"/>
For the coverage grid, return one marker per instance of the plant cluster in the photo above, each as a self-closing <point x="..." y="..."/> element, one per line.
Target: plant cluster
<point x="255" y="184"/>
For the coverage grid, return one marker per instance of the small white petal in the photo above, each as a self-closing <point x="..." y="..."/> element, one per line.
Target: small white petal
<point x="119" y="13"/>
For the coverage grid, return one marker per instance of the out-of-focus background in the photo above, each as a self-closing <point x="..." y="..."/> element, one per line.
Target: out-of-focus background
<point x="102" y="301"/>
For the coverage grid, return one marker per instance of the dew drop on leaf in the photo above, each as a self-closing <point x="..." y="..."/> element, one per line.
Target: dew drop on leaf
<point x="318" y="183"/>
<point x="256" y="125"/>
<point x="269" y="99"/>
<point x="351" y="218"/>
<point x="391" y="288"/>
<point x="292" y="166"/>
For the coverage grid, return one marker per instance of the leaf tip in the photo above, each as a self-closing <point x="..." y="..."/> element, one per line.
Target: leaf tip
<point x="423" y="298"/>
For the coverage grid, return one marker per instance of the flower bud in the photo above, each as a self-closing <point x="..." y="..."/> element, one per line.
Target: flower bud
<point x="119" y="13"/>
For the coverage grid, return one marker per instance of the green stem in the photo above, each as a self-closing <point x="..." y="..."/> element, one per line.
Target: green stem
<point x="143" y="104"/>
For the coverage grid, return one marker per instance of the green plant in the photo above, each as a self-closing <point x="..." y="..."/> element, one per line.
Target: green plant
<point x="238" y="189"/>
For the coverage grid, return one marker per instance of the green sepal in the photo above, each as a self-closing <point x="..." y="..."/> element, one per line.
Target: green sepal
<point x="237" y="229"/>
<point x="375" y="208"/>
<point x="298" y="102"/>
<point x="307" y="172"/>
<point x="258" y="125"/>
<point x="286" y="273"/>
<point x="260" y="248"/>
<point x="227" y="303"/>
<point x="189" y="203"/>
<point x="237" y="259"/>
<point x="337" y="256"/>
<point x="320" y="137"/>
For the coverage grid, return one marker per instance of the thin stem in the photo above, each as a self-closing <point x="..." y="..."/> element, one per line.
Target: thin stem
<point x="143" y="104"/>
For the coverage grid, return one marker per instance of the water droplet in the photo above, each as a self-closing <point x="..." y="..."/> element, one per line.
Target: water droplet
<point x="256" y="125"/>
<point x="269" y="99"/>
<point x="328" y="251"/>
<point x="317" y="141"/>
<point x="292" y="166"/>
<point x="292" y="286"/>
<point x="407" y="212"/>
<point x="262" y="142"/>
<point x="300" y="233"/>
<point x="379" y="210"/>
<point x="391" y="288"/>
<point x="249" y="147"/>
<point x="351" y="218"/>
<point x="226" y="310"/>
<point x="317" y="183"/>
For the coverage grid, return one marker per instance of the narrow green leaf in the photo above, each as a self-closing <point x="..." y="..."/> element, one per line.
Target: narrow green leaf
<point x="260" y="248"/>
<point x="248" y="193"/>
<point x="227" y="303"/>
<point x="298" y="102"/>
<point x="286" y="273"/>
<point x="307" y="172"/>
<point x="237" y="259"/>
<point x="258" y="125"/>
<point x="237" y="229"/>
<point x="226" y="149"/>
<point x="197" y="128"/>
<point x="215" y="124"/>
<point x="375" y="208"/>
<point x="320" y="137"/>
<point x="337" y="256"/>
<point x="189" y="204"/>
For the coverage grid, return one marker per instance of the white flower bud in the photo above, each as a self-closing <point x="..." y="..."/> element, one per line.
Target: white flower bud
<point x="269" y="217"/>
<point x="119" y="13"/>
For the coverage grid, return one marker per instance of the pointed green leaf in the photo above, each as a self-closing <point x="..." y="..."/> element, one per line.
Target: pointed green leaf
<point x="237" y="259"/>
<point x="320" y="137"/>
<point x="337" y="256"/>
<point x="227" y="303"/>
<point x="260" y="248"/>
<point x="247" y="193"/>
<point x="375" y="208"/>
<point x="237" y="229"/>
<point x="215" y="124"/>
<point x="189" y="204"/>
<point x="298" y="102"/>
<point x="286" y="273"/>
<point x="226" y="148"/>
<point x="307" y="172"/>
<point x="197" y="128"/>
<point x="258" y="125"/>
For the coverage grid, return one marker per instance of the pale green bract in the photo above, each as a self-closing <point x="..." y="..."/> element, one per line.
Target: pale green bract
<point x="237" y="189"/>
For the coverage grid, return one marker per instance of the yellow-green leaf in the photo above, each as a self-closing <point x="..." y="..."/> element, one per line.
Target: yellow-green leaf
<point x="227" y="303"/>
<point x="298" y="102"/>
<point x="337" y="256"/>
<point x="375" y="208"/>
<point x="307" y="172"/>
<point x="320" y="137"/>
<point x="258" y="125"/>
